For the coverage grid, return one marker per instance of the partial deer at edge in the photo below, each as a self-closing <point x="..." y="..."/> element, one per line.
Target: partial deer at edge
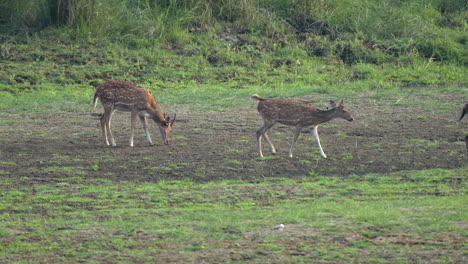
<point x="127" y="96"/>
<point x="294" y="113"/>
<point x="464" y="113"/>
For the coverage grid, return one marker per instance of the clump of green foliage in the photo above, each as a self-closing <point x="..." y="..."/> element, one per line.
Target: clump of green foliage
<point x="434" y="29"/>
<point x="180" y="43"/>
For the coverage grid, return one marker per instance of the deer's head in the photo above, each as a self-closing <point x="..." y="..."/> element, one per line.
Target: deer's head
<point x="341" y="111"/>
<point x="165" y="127"/>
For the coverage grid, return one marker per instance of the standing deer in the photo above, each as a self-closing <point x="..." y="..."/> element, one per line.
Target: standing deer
<point x="294" y="113"/>
<point x="127" y="96"/>
<point x="464" y="113"/>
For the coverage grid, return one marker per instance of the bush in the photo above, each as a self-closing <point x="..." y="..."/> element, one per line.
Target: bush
<point x="352" y="31"/>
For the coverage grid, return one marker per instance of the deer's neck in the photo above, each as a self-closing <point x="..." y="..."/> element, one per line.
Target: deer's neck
<point x="156" y="113"/>
<point x="323" y="116"/>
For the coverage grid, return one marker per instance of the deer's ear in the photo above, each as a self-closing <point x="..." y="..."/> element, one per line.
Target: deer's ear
<point x="341" y="103"/>
<point x="333" y="104"/>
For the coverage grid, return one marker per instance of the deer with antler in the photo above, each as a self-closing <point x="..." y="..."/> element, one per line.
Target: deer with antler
<point x="127" y="96"/>
<point x="294" y="113"/>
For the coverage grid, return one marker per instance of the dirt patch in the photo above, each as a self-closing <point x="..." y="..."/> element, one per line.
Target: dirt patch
<point x="210" y="145"/>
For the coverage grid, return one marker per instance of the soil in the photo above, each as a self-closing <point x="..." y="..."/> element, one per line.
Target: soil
<point x="218" y="145"/>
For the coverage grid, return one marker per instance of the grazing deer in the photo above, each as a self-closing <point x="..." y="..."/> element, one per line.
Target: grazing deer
<point x="293" y="113"/>
<point x="464" y="113"/>
<point x="127" y="96"/>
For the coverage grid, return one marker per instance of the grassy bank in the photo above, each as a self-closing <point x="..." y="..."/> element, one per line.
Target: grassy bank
<point x="274" y="45"/>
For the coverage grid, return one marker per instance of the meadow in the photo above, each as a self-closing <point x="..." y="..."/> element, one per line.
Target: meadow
<point x="392" y="190"/>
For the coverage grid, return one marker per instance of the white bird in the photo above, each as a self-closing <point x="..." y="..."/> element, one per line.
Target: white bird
<point x="279" y="227"/>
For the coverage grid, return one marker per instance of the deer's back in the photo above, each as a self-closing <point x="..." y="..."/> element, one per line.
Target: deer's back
<point x="124" y="93"/>
<point x="285" y="111"/>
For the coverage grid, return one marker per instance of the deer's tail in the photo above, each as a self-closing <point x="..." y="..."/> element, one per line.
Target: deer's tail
<point x="257" y="97"/>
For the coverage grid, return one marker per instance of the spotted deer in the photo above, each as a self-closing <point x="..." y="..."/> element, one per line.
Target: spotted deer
<point x="127" y="96"/>
<point x="464" y="113"/>
<point x="294" y="113"/>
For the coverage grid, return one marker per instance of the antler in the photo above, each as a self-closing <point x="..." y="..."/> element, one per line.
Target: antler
<point x="173" y="119"/>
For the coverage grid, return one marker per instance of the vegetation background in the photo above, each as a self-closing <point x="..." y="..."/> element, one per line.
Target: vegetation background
<point x="288" y="47"/>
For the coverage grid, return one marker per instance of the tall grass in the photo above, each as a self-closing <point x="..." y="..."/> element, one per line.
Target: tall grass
<point x="338" y="19"/>
<point x="240" y="42"/>
<point x="434" y="29"/>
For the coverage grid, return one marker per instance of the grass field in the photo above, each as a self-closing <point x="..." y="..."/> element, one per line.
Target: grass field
<point x="403" y="217"/>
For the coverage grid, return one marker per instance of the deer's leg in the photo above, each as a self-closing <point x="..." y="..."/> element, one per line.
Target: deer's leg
<point x="316" y="136"/>
<point x="466" y="143"/>
<point x="104" y="119"/>
<point x="133" y="118"/>
<point x="105" y="125"/>
<point x="296" y="136"/>
<point x="262" y="132"/>
<point x="272" y="148"/>
<point x="108" y="125"/>
<point x="144" y="122"/>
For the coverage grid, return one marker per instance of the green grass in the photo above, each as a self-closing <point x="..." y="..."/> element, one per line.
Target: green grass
<point x="98" y="220"/>
<point x="216" y="55"/>
<point x="217" y="98"/>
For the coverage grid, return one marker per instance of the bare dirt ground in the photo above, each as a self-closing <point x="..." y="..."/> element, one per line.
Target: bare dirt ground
<point x="218" y="145"/>
<point x="214" y="145"/>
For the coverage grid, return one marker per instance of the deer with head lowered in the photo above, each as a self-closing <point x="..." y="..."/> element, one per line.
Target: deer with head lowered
<point x="294" y="113"/>
<point x="127" y="96"/>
